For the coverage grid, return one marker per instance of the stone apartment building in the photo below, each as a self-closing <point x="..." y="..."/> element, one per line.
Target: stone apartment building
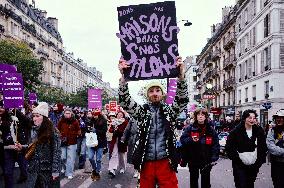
<point x="21" y="21"/>
<point x="244" y="60"/>
<point x="191" y="78"/>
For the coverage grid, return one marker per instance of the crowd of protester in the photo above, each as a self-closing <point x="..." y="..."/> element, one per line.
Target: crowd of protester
<point x="45" y="141"/>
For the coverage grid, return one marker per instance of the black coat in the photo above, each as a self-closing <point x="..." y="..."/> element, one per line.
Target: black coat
<point x="202" y="152"/>
<point x="238" y="141"/>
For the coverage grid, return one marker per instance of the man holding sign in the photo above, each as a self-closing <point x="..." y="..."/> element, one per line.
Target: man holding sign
<point x="154" y="151"/>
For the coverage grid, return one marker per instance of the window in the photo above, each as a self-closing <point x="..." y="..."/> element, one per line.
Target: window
<point x="195" y="78"/>
<point x="246" y="16"/>
<point x="281" y="54"/>
<point x="253" y="36"/>
<point x="253" y="66"/>
<point x="194" y="69"/>
<point x="266" y="25"/>
<point x="266" y="87"/>
<point x="240" y="96"/>
<point x="281" y="21"/>
<point x="240" y="72"/>
<point x="254" y="92"/>
<point x="224" y="95"/>
<point x="267" y="58"/>
<point x="249" y="68"/>
<point x="246" y="93"/>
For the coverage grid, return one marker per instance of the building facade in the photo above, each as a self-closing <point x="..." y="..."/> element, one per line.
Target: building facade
<point x="243" y="61"/>
<point x="260" y="57"/>
<point x="21" y="21"/>
<point x="191" y="78"/>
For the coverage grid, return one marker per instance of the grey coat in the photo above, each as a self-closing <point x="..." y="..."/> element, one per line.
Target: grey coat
<point x="275" y="148"/>
<point x="129" y="138"/>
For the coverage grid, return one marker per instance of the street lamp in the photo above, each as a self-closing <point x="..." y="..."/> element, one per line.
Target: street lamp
<point x="187" y="23"/>
<point x="209" y="87"/>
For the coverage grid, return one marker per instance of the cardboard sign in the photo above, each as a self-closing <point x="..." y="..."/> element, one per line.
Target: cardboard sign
<point x="148" y="36"/>
<point x="13" y="90"/>
<point x="112" y="106"/>
<point x="94" y="98"/>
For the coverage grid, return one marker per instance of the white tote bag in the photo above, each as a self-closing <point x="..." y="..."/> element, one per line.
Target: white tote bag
<point x="249" y="158"/>
<point x="91" y="139"/>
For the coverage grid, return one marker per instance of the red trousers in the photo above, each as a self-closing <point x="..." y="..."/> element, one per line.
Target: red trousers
<point x="159" y="171"/>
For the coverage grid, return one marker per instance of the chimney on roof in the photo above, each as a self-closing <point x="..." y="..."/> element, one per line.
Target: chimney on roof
<point x="43" y="13"/>
<point x="54" y="22"/>
<point x="213" y="29"/>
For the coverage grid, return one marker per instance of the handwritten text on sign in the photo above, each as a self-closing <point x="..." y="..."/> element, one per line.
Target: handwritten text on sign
<point x="148" y="35"/>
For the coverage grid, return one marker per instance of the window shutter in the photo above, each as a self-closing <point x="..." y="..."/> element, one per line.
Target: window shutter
<point x="268" y="23"/>
<point x="282" y="21"/>
<point x="254" y="36"/>
<point x="249" y="68"/>
<point x="282" y="54"/>
<point x="269" y="57"/>
<point x="262" y="62"/>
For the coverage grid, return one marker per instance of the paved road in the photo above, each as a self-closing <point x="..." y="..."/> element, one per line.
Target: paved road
<point x="221" y="177"/>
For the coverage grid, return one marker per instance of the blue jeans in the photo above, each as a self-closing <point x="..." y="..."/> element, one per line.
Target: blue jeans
<point x="69" y="154"/>
<point x="81" y="145"/>
<point x="96" y="164"/>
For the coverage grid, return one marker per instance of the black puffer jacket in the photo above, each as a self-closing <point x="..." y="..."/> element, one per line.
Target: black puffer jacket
<point x="238" y="141"/>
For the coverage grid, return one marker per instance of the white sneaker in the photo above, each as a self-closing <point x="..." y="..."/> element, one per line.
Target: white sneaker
<point x="70" y="177"/>
<point x="112" y="173"/>
<point x="136" y="174"/>
<point x="122" y="171"/>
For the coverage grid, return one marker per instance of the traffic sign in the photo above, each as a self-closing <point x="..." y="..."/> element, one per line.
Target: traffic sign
<point x="267" y="105"/>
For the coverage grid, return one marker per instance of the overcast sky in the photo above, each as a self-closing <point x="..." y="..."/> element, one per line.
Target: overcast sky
<point x="88" y="28"/>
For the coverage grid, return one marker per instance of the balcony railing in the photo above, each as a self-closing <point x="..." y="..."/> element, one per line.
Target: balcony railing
<point x="229" y="84"/>
<point x="198" y="84"/>
<point x="230" y="62"/>
<point x="43" y="52"/>
<point x="215" y="72"/>
<point x="208" y="75"/>
<point x="229" y="41"/>
<point x="216" y="89"/>
<point x="197" y="97"/>
<point x="198" y="72"/>
<point x="216" y="54"/>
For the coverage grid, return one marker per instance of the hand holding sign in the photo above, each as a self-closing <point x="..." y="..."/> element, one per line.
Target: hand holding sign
<point x="180" y="66"/>
<point x="122" y="65"/>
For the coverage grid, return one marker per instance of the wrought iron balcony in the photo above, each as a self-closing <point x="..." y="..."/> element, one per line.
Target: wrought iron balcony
<point x="229" y="41"/>
<point x="197" y="97"/>
<point x="216" y="54"/>
<point x="215" y="72"/>
<point x="230" y="62"/>
<point x="198" y="85"/>
<point x="198" y="72"/>
<point x="216" y="89"/>
<point x="43" y="52"/>
<point x="229" y="84"/>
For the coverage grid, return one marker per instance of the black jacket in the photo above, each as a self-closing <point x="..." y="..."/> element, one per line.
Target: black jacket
<point x="238" y="141"/>
<point x="100" y="126"/>
<point x="202" y="152"/>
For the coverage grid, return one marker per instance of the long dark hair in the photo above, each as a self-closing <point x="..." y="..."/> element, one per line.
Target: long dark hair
<point x="45" y="132"/>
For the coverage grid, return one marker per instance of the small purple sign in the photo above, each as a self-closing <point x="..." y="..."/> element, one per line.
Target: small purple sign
<point x="32" y="98"/>
<point x="172" y="88"/>
<point x="94" y="98"/>
<point x="13" y="91"/>
<point x="6" y="68"/>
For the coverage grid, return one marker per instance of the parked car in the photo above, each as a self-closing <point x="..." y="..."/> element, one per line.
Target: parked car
<point x="222" y="141"/>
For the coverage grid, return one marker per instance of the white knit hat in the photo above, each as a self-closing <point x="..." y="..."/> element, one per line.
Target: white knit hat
<point x="154" y="84"/>
<point x="41" y="109"/>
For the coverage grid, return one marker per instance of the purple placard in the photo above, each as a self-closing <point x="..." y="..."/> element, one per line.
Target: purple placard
<point x="94" y="98"/>
<point x="13" y="91"/>
<point x="6" y="68"/>
<point x="172" y="88"/>
<point x="148" y="40"/>
<point x="32" y="98"/>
